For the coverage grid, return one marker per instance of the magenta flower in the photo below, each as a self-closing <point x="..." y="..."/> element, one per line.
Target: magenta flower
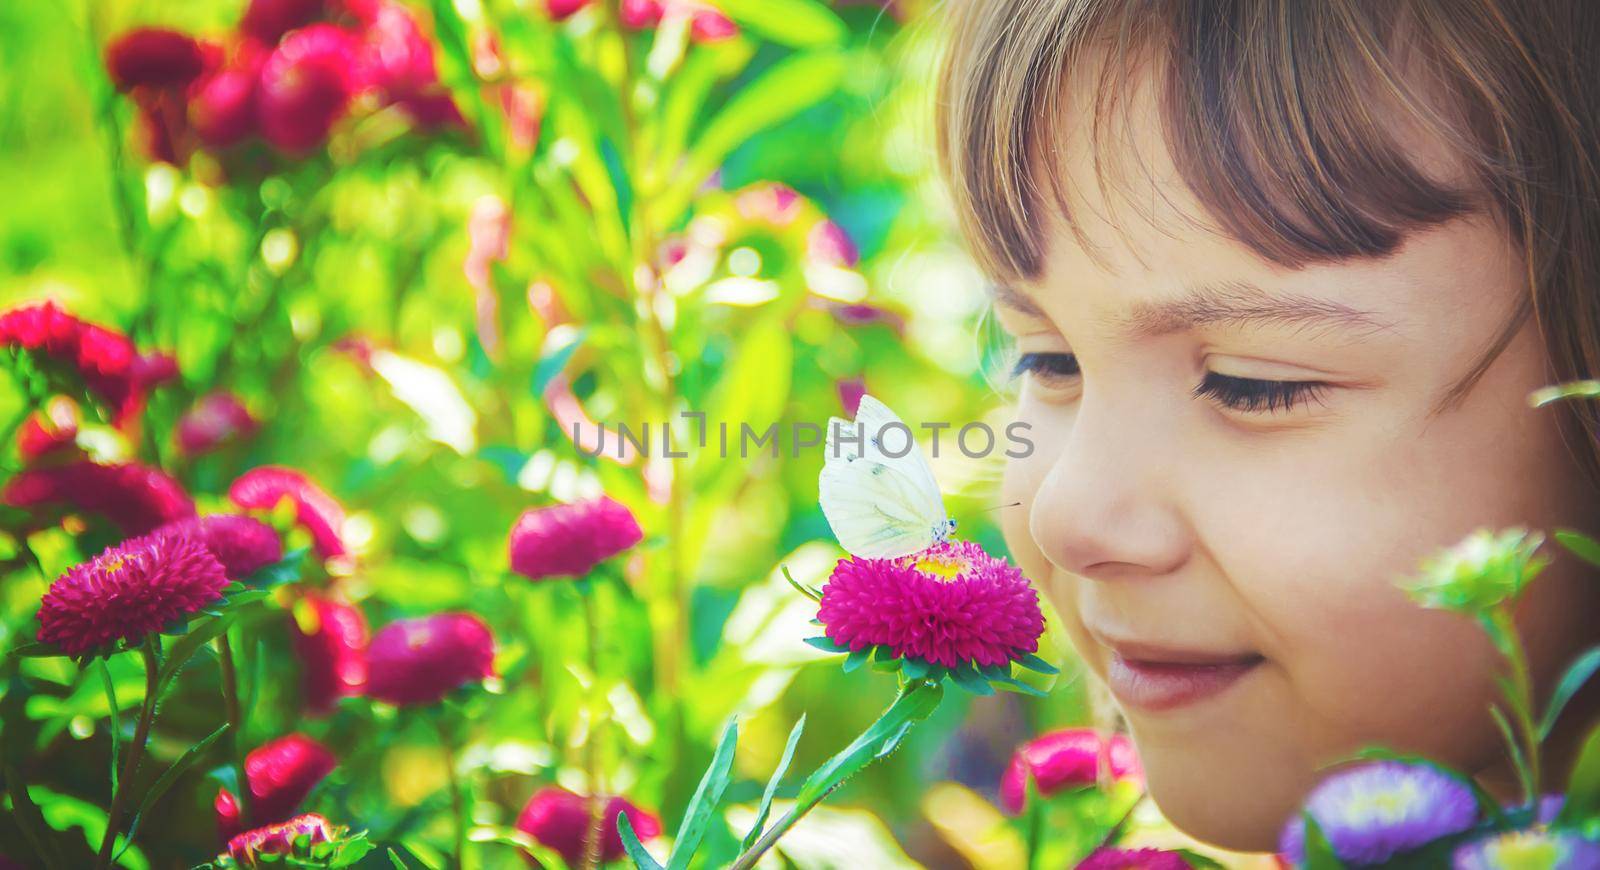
<point x="279" y="839"/>
<point x="561" y="10"/>
<point x="216" y="419"/>
<point x="850" y="392"/>
<point x="105" y="360"/>
<point x="569" y="540"/>
<point x="262" y="488"/>
<point x="396" y="58"/>
<point x="306" y="85"/>
<point x="243" y="545"/>
<point x="269" y="20"/>
<point x="1371" y="812"/>
<point x="332" y="648"/>
<point x="129" y="592"/>
<point x="1520" y="850"/>
<point x="136" y="498"/>
<point x="280" y="773"/>
<point x="414" y="662"/>
<point x="153" y="57"/>
<point x="559" y="820"/>
<point x="950" y="605"/>
<point x="1107" y="858"/>
<point x="222" y="103"/>
<point x="770" y="202"/>
<point x="640" y="14"/>
<point x="1069" y="758"/>
<point x="710" y="25"/>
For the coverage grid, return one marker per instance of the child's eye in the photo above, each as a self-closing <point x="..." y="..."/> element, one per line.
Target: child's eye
<point x="1253" y="395"/>
<point x="1046" y="367"/>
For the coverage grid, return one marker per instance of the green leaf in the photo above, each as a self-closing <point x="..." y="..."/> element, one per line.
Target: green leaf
<point x="1198" y="861"/>
<point x="394" y="858"/>
<point x="285" y="570"/>
<point x="1038" y="665"/>
<point x="1580" y="545"/>
<point x="971" y="680"/>
<point x="1319" y="852"/>
<point x="857" y="658"/>
<point x="915" y="669"/>
<point x="916" y="701"/>
<point x="826" y="644"/>
<point x="798" y="23"/>
<point x="803" y="589"/>
<point x="772" y="784"/>
<point x="1012" y="684"/>
<point x="706" y="798"/>
<point x="183" y="650"/>
<point x="784" y="90"/>
<point x="1576" y="675"/>
<point x="1583" y="786"/>
<point x="170" y="776"/>
<point x="642" y="859"/>
<point x="553" y="362"/>
<point x="1571" y="390"/>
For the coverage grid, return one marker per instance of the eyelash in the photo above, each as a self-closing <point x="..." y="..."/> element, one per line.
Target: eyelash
<point x="1251" y="395"/>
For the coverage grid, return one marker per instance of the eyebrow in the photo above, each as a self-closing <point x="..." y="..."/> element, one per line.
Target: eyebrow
<point x="1227" y="302"/>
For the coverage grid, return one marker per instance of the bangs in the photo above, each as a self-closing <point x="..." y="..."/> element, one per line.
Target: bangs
<point x="1295" y="128"/>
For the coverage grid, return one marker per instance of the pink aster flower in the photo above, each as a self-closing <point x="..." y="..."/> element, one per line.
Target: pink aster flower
<point x="770" y="202"/>
<point x="850" y="392"/>
<point x="281" y="773"/>
<point x="104" y="359"/>
<point x="828" y="244"/>
<point x="262" y="488"/>
<point x="222" y="103"/>
<point x="414" y="662"/>
<point x="559" y="820"/>
<point x="135" y="497"/>
<point x="279" y="839"/>
<point x="130" y="591"/>
<point x="397" y="60"/>
<point x="1107" y="858"/>
<point x="153" y="57"/>
<point x="569" y="540"/>
<point x="949" y="605"/>
<point x="242" y="544"/>
<point x="269" y="20"/>
<point x="1069" y="758"/>
<point x="710" y="25"/>
<point x="332" y="647"/>
<point x="640" y="14"/>
<point x="306" y="85"/>
<point x="561" y="10"/>
<point x="215" y="419"/>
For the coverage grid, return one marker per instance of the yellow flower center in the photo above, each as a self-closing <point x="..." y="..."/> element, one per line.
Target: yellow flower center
<point x="941" y="566"/>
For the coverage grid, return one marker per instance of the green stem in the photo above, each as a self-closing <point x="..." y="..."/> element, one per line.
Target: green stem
<point x="1520" y="698"/>
<point x="591" y="836"/>
<point x="130" y="765"/>
<point x="230" y="702"/>
<point x="458" y="810"/>
<point x="916" y="701"/>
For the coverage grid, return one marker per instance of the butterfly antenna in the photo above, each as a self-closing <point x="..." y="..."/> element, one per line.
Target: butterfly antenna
<point x="999" y="506"/>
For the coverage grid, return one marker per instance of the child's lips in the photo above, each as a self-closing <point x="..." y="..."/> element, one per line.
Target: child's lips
<point x="1154" y="679"/>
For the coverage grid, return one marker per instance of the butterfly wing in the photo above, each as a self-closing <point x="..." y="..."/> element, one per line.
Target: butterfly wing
<point x="878" y="505"/>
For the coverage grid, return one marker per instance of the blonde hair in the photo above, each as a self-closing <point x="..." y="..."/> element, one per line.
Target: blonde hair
<point x="1281" y="118"/>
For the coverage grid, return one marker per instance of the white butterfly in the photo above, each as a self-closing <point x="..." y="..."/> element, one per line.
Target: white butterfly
<point x="880" y="506"/>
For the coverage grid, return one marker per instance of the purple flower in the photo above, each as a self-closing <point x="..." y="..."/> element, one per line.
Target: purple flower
<point x="568" y="540"/>
<point x="1374" y="811"/>
<point x="1521" y="850"/>
<point x="243" y="545"/>
<point x="949" y="605"/>
<point x="129" y="592"/>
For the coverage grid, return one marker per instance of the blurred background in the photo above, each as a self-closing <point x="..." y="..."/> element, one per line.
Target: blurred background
<point x="404" y="259"/>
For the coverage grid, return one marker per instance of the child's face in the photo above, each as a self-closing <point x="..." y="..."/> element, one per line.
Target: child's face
<point x="1230" y="572"/>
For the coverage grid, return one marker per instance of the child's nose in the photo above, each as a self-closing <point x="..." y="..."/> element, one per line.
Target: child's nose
<point x="1106" y="508"/>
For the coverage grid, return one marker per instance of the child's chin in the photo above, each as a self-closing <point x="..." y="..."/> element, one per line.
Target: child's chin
<point x="1223" y="791"/>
